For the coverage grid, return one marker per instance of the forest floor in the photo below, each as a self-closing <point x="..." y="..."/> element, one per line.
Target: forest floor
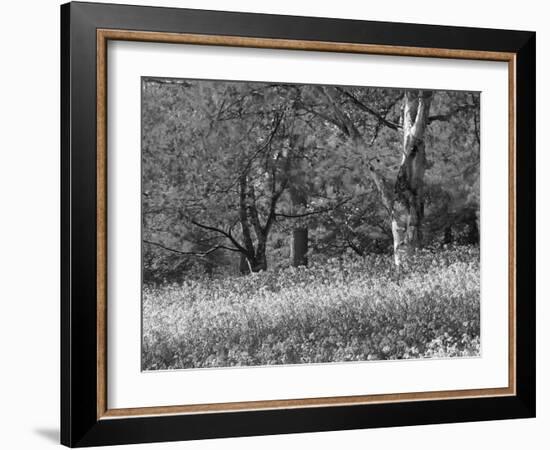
<point x="351" y="309"/>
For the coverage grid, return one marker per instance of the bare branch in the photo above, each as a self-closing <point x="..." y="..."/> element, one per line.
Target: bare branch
<point x="323" y="116"/>
<point x="383" y="187"/>
<point x="345" y="123"/>
<point x="354" y="247"/>
<point x="277" y="121"/>
<point x="447" y="116"/>
<point x="224" y="233"/>
<point x="385" y="115"/>
<point x="381" y="118"/>
<point x="276" y="194"/>
<point x="423" y="103"/>
<point x="311" y="213"/>
<point x="199" y="254"/>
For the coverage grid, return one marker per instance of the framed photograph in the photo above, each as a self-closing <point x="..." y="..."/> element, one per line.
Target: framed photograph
<point x="276" y="224"/>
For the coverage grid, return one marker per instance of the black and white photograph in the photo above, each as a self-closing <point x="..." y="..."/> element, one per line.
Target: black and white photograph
<point x="303" y="224"/>
<point x="276" y="225"/>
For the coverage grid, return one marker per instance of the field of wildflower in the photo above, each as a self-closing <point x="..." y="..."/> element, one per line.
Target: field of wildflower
<point x="346" y="309"/>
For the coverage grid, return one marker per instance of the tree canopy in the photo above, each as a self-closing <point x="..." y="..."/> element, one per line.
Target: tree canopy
<point x="231" y="169"/>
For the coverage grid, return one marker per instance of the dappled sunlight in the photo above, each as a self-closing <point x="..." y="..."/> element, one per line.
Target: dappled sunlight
<point x="345" y="309"/>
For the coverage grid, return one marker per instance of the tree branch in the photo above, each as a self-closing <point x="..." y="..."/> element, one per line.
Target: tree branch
<point x="447" y="116"/>
<point x="361" y="105"/>
<point x="274" y="199"/>
<point x="346" y="125"/>
<point x="311" y="213"/>
<point x="276" y="122"/>
<point x="200" y="254"/>
<point x="225" y="233"/>
<point x="359" y="141"/>
<point x="323" y="116"/>
<point x="354" y="247"/>
<point x="423" y="103"/>
<point x="382" y="186"/>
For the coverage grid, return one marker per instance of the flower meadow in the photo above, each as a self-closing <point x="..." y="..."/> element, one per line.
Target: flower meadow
<point x="345" y="309"/>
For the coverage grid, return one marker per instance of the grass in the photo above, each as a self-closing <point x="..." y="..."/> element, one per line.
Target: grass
<point x="352" y="309"/>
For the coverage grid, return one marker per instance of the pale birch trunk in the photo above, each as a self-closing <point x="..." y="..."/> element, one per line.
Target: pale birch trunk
<point x="408" y="200"/>
<point x="405" y="204"/>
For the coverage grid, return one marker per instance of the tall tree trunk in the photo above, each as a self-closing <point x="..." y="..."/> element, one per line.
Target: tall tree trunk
<point x="244" y="267"/>
<point x="408" y="200"/>
<point x="299" y="246"/>
<point x="473" y="229"/>
<point x="255" y="258"/>
<point x="448" y="235"/>
<point x="259" y="263"/>
<point x="253" y="263"/>
<point x="299" y="238"/>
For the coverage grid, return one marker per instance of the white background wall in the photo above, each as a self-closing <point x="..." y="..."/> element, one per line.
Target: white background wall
<point x="29" y="224"/>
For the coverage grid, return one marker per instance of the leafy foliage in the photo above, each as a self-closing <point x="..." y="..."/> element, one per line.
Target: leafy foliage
<point x="230" y="168"/>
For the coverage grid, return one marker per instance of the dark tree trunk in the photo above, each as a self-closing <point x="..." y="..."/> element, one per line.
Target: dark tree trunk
<point x="255" y="258"/>
<point x="473" y="231"/>
<point x="250" y="264"/>
<point x="299" y="200"/>
<point x="244" y="268"/>
<point x="448" y="235"/>
<point x="299" y="247"/>
<point x="259" y="263"/>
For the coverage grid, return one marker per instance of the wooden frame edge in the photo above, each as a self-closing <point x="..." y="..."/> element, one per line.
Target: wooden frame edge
<point x="290" y="44"/>
<point x="103" y="35"/>
<point x="512" y="200"/>
<point x="101" y="223"/>
<point x="211" y="408"/>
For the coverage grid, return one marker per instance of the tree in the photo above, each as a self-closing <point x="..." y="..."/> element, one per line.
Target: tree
<point x="228" y="168"/>
<point x="298" y="193"/>
<point x="404" y="198"/>
<point x="233" y="170"/>
<point x="407" y="209"/>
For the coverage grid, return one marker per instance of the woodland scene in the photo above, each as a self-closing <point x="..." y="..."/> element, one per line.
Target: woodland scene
<point x="301" y="224"/>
